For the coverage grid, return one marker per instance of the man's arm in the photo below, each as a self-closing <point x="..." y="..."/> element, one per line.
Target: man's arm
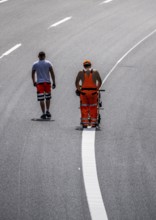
<point x="33" y="77"/>
<point x="52" y="76"/>
<point x="99" y="79"/>
<point x="77" y="81"/>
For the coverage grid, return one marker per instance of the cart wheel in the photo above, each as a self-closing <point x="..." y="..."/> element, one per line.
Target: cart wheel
<point x="99" y="119"/>
<point x="100" y="104"/>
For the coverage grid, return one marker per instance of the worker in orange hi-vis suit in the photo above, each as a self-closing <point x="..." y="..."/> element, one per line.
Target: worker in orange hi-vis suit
<point x="88" y="82"/>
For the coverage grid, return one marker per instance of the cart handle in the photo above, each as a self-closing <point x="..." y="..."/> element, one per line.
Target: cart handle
<point x="102" y="90"/>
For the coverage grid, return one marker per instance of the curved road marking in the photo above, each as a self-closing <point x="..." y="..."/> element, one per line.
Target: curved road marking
<point x="11" y="50"/>
<point x="60" y="22"/>
<point x="126" y="54"/>
<point x="93" y="192"/>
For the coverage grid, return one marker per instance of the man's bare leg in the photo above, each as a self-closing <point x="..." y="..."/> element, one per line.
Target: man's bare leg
<point x="48" y="104"/>
<point x="42" y="104"/>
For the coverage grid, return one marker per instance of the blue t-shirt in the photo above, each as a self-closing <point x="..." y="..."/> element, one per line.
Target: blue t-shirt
<point x="42" y="69"/>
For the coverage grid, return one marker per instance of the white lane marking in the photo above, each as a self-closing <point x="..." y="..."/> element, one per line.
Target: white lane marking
<point x="129" y="51"/>
<point x="93" y="193"/>
<point x="3" y="1"/>
<point x="107" y="1"/>
<point x="11" y="50"/>
<point x="60" y="22"/>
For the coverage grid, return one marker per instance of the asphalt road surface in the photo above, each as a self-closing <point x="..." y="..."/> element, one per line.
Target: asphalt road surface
<point x="41" y="174"/>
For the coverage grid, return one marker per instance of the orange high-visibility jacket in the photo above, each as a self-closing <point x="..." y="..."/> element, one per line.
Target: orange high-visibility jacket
<point x="88" y="82"/>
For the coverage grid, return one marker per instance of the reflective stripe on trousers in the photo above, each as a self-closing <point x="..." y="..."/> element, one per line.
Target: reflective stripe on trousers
<point x="93" y="121"/>
<point x="89" y="104"/>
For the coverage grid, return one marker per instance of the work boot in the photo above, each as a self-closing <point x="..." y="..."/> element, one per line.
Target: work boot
<point x="84" y="126"/>
<point x="94" y="126"/>
<point x="43" y="116"/>
<point x="48" y="114"/>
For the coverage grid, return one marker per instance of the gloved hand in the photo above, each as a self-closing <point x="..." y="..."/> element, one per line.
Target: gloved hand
<point x="35" y="84"/>
<point x="54" y="86"/>
<point x="77" y="92"/>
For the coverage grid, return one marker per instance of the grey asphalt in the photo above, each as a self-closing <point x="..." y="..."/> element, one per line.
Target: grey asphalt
<point x="40" y="162"/>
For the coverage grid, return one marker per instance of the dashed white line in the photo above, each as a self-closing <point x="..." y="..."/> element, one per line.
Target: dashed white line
<point x="10" y="50"/>
<point x="60" y="22"/>
<point x="107" y="1"/>
<point x="3" y="1"/>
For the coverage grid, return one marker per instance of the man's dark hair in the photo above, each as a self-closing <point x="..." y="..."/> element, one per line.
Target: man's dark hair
<point x="41" y="55"/>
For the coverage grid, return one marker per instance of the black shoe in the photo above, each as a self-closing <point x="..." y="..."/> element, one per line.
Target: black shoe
<point x="43" y="116"/>
<point x="85" y="126"/>
<point x="48" y="114"/>
<point x="94" y="126"/>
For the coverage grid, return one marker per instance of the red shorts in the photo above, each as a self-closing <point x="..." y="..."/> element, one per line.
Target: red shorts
<point x="43" y="91"/>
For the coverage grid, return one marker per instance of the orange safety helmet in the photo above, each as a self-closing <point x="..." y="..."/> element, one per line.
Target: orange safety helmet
<point x="87" y="63"/>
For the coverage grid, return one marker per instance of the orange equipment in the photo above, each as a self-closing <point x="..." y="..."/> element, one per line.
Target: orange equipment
<point x="88" y="101"/>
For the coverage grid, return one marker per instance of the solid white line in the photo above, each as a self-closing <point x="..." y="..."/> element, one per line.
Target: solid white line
<point x="107" y="1"/>
<point x="93" y="193"/>
<point x="3" y="1"/>
<point x="10" y="51"/>
<point x="129" y="51"/>
<point x="60" y="22"/>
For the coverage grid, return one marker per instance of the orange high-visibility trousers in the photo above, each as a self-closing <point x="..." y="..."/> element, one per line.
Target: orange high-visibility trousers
<point x="88" y="106"/>
<point x="88" y="100"/>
